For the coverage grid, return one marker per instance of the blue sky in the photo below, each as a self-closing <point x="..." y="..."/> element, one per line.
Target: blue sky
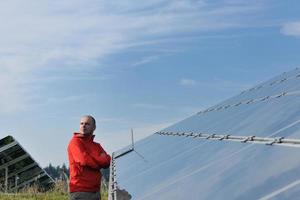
<point x="132" y="64"/>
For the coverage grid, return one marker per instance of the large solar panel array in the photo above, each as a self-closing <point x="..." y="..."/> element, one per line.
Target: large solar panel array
<point x="18" y="169"/>
<point x="246" y="147"/>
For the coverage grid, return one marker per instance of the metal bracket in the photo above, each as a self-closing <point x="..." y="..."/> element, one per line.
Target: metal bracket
<point x="276" y="140"/>
<point x="198" y="135"/>
<point x="265" y="98"/>
<point x="224" y="137"/>
<point x="283" y="80"/>
<point x="225" y="107"/>
<point x="250" y="138"/>
<point x="250" y="101"/>
<point x="238" y="104"/>
<point x="280" y="95"/>
<point x="190" y="134"/>
<point x="219" y="108"/>
<point x="210" y="136"/>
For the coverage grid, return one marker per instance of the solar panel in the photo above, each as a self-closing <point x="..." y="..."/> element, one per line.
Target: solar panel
<point x="246" y="147"/>
<point x="18" y="169"/>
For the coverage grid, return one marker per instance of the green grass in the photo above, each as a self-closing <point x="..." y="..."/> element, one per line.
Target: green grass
<point x="38" y="196"/>
<point x="59" y="192"/>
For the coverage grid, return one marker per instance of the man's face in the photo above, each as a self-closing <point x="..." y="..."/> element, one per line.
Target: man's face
<point x="87" y="126"/>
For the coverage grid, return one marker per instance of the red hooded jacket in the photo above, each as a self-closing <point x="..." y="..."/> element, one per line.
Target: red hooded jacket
<point x="85" y="163"/>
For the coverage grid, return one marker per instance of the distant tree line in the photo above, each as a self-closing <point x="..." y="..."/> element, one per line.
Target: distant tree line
<point x="60" y="172"/>
<point x="57" y="172"/>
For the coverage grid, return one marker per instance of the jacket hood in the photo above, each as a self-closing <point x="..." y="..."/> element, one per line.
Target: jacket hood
<point x="83" y="136"/>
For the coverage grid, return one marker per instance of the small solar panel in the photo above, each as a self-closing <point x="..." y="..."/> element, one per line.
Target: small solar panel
<point x="18" y="169"/>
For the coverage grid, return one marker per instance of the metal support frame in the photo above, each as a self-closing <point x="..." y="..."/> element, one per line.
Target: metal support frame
<point x="16" y="173"/>
<point x="281" y="141"/>
<point x="250" y="138"/>
<point x="14" y="161"/>
<point x="112" y="190"/>
<point x="272" y="83"/>
<point x="10" y="145"/>
<point x="35" y="178"/>
<point x="22" y="170"/>
<point x="250" y="101"/>
<point x="16" y="183"/>
<point x="6" y="180"/>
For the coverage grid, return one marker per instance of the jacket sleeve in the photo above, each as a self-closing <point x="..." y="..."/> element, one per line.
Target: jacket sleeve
<point x="81" y="156"/>
<point x="102" y="158"/>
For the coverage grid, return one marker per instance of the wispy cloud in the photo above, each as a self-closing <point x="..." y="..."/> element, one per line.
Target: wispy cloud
<point x="215" y="84"/>
<point x="77" y="34"/>
<point x="148" y="106"/>
<point x="12" y="96"/>
<point x="187" y="82"/>
<point x="291" y="29"/>
<point x="145" y="60"/>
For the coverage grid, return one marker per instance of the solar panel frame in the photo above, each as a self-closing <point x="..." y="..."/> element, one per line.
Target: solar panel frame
<point x="182" y="163"/>
<point x="18" y="169"/>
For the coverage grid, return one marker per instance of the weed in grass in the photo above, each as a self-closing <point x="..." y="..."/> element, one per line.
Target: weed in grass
<point x="59" y="192"/>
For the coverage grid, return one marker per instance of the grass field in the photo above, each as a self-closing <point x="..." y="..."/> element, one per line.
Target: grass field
<point x="59" y="192"/>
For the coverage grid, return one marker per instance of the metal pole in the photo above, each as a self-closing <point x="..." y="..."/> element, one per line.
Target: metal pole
<point x="16" y="183"/>
<point x="6" y="179"/>
<point x="111" y="179"/>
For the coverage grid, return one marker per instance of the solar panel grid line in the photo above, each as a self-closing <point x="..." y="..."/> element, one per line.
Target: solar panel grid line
<point x="36" y="162"/>
<point x="46" y="181"/>
<point x="272" y="83"/>
<point x="14" y="161"/>
<point x="34" y="179"/>
<point x="281" y="190"/>
<point x="21" y="170"/>
<point x="251" y="101"/>
<point x="31" y="173"/>
<point x="244" y="139"/>
<point x="191" y="173"/>
<point x="6" y="180"/>
<point x="165" y="162"/>
<point x="6" y="140"/>
<point x="244" y="166"/>
<point x="8" y="146"/>
<point x="20" y="164"/>
<point x="124" y="153"/>
<point x="251" y="89"/>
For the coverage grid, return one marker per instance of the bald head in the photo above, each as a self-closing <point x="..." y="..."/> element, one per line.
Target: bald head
<point x="90" y="117"/>
<point x="87" y="125"/>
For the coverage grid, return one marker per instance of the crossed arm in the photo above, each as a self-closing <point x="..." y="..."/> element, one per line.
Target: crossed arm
<point x="97" y="159"/>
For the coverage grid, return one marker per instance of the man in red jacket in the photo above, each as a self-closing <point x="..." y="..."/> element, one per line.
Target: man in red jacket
<point x="86" y="158"/>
